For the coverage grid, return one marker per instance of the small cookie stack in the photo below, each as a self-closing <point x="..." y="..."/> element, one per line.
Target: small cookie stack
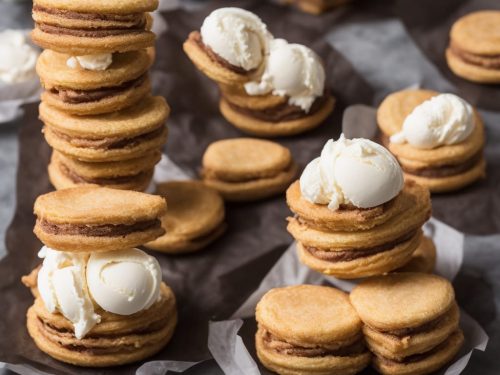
<point x="268" y="87"/>
<point x="354" y="215"/>
<point x="99" y="115"/>
<point x="99" y="301"/>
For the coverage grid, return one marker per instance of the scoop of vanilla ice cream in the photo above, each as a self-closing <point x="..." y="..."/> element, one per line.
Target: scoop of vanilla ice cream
<point x="62" y="287"/>
<point x="292" y="70"/>
<point x="352" y="171"/>
<point x="124" y="282"/>
<point x="236" y="35"/>
<point x="98" y="62"/>
<point x="444" y="119"/>
<point x="18" y="57"/>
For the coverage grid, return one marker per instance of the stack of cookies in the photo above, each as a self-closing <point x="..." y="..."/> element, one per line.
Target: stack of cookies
<point x="98" y="300"/>
<point x="269" y="87"/>
<point x="100" y="119"/>
<point x="354" y="214"/>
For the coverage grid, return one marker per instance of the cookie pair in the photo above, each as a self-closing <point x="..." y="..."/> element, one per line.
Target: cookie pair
<point x="246" y="169"/>
<point x="437" y="138"/>
<point x="474" y="49"/>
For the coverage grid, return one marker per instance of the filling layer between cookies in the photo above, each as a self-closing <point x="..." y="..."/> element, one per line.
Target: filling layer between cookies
<point x="133" y="17"/>
<point x="117" y="180"/>
<point x="104" y="230"/>
<point x="484" y="61"/>
<point x="211" y="175"/>
<point x="195" y="37"/>
<point x="274" y="343"/>
<point x="109" y="143"/>
<point x="445" y="170"/>
<point x="87" y="96"/>
<point x="346" y="255"/>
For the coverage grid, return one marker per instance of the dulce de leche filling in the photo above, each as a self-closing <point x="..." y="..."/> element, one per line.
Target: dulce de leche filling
<point x="116" y="180"/>
<point x="274" y="343"/>
<point x="103" y="230"/>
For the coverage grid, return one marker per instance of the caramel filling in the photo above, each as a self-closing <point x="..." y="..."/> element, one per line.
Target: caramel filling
<point x="90" y="33"/>
<point x="346" y="255"/>
<point x="87" y="96"/>
<point x="209" y="174"/>
<point x="117" y="180"/>
<point x="272" y="342"/>
<point x="445" y="170"/>
<point x="104" y="230"/>
<point x="484" y="61"/>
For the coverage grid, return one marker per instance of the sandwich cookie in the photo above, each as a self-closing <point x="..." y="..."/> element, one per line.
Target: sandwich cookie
<point x="93" y="27"/>
<point x="86" y="314"/>
<point x="474" y="50"/>
<point x="230" y="47"/>
<point x="353" y="214"/>
<point x="82" y="91"/>
<point x="437" y="138"/>
<point x="411" y="322"/>
<point x="90" y="218"/>
<point x="132" y="174"/>
<point x="246" y="169"/>
<point x="288" y="98"/>
<point x="309" y="329"/>
<point x="127" y="134"/>
<point x="195" y="217"/>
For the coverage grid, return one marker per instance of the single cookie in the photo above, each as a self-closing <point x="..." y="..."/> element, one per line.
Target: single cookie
<point x="116" y="340"/>
<point x="309" y="329"/>
<point x="441" y="169"/>
<point x="243" y="169"/>
<point x="133" y="174"/>
<point x="91" y="218"/>
<point x="88" y="92"/>
<point x="92" y="27"/>
<point x="194" y="219"/>
<point x="474" y="49"/>
<point x="411" y="321"/>
<point x="127" y="134"/>
<point x="423" y="258"/>
<point x="283" y="120"/>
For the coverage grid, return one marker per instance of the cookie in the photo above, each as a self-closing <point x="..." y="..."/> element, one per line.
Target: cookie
<point x="423" y="259"/>
<point x="133" y="174"/>
<point x="411" y="321"/>
<point x="441" y="169"/>
<point x="194" y="219"/>
<point x="244" y="169"/>
<point x="87" y="92"/>
<point x="91" y="218"/>
<point x="93" y="27"/>
<point x="309" y="329"/>
<point x="281" y="120"/>
<point x="318" y="7"/>
<point x="328" y="244"/>
<point x="116" y="340"/>
<point x="127" y="134"/>
<point x="474" y="50"/>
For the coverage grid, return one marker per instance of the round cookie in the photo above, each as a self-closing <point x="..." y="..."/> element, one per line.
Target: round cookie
<point x="87" y="92"/>
<point x="255" y="126"/>
<point x="423" y="258"/>
<point x="133" y="174"/>
<point x="127" y="134"/>
<point x="92" y="27"/>
<point x="195" y="217"/>
<point x="402" y="300"/>
<point x="308" y="328"/>
<point x="116" y="340"/>
<point x="91" y="218"/>
<point x="247" y="169"/>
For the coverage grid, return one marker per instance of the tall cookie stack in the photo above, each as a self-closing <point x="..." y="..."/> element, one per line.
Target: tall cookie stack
<point x="100" y="119"/>
<point x="98" y="300"/>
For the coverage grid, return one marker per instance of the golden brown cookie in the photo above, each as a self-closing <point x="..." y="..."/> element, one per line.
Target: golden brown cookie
<point x="411" y="321"/>
<point x="116" y="340"/>
<point x="127" y="134"/>
<point x="194" y="219"/>
<point x="132" y="174"/>
<point x="87" y="92"/>
<point x="91" y="218"/>
<point x="441" y="169"/>
<point x="243" y="169"/>
<point x="93" y="27"/>
<point x="307" y="329"/>
<point x="423" y="259"/>
<point x="282" y="120"/>
<point x="474" y="48"/>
